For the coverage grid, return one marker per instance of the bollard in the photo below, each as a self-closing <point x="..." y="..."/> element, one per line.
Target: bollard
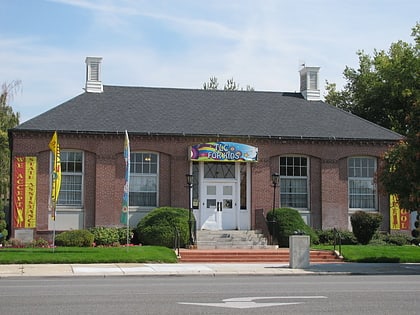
<point x="299" y="251"/>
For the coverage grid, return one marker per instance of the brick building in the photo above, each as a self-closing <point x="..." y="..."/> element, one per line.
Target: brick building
<point x="231" y="141"/>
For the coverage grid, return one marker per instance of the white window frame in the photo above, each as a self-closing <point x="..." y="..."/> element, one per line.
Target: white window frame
<point x="134" y="175"/>
<point x="364" y="175"/>
<point x="285" y="177"/>
<point x="65" y="174"/>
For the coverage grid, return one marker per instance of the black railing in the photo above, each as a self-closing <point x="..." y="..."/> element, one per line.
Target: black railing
<point x="337" y="241"/>
<point x="177" y="240"/>
<point x="272" y="229"/>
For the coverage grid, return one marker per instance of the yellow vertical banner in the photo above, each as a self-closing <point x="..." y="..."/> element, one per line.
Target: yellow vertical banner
<point x="399" y="218"/>
<point x="30" y="193"/>
<point x="395" y="213"/>
<point x="56" y="174"/>
<point x="24" y="192"/>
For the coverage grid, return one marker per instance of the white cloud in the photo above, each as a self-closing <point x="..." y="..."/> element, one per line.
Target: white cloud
<point x="183" y="43"/>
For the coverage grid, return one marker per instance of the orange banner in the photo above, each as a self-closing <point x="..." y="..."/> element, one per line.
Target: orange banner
<point x="400" y="218"/>
<point x="24" y="192"/>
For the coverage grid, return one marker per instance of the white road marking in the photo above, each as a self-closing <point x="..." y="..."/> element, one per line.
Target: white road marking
<point x="248" y="302"/>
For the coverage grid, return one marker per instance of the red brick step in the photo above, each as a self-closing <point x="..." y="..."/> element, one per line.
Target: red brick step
<point x="250" y="256"/>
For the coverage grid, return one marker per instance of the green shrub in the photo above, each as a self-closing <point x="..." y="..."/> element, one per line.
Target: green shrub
<point x="3" y="225"/>
<point x="288" y="222"/>
<point x="122" y="235"/>
<point x="348" y="238"/>
<point x="158" y="227"/>
<point x="40" y="242"/>
<point x="365" y="225"/>
<point x="416" y="231"/>
<point x="326" y="237"/>
<point x="110" y="236"/>
<point x="399" y="239"/>
<point x="75" y="238"/>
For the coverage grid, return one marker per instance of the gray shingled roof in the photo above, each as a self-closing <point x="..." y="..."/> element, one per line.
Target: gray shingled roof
<point x="145" y="110"/>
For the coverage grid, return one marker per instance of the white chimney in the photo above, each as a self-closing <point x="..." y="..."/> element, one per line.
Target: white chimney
<point x="93" y="75"/>
<point x="309" y="83"/>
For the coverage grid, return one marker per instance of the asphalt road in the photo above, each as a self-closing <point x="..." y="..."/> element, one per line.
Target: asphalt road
<point x="333" y="294"/>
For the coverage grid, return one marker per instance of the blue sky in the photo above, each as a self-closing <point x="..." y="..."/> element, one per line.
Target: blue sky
<point x="181" y="43"/>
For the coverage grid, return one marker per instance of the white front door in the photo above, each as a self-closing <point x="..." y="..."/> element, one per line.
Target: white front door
<point x="219" y="206"/>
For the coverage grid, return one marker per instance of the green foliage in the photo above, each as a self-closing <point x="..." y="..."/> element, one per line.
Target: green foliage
<point x="158" y="227"/>
<point x="287" y="222"/>
<point x="326" y="237"/>
<point x="398" y="239"/>
<point x="108" y="236"/>
<point x="400" y="172"/>
<point x="385" y="90"/>
<point x="365" y="225"/>
<point x="78" y="238"/>
<point x="416" y="231"/>
<point x="384" y="87"/>
<point x="3" y="225"/>
<point x="8" y="119"/>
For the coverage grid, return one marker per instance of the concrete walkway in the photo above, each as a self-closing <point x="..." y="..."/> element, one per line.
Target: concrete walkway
<point x="204" y="269"/>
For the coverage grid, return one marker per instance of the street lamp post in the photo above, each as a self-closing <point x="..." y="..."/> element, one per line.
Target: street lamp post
<point x="275" y="181"/>
<point x="190" y="221"/>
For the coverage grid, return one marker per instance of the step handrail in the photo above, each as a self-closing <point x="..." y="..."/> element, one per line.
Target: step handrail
<point x="177" y="240"/>
<point x="337" y="240"/>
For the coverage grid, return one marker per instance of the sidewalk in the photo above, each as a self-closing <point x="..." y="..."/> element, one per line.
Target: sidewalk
<point x="209" y="269"/>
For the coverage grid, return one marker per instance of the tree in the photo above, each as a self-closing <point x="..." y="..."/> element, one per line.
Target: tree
<point x="385" y="90"/>
<point x="384" y="87"/>
<point x="8" y="119"/>
<point x="230" y="85"/>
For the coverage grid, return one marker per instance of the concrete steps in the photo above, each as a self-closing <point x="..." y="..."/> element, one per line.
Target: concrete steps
<point x="280" y="255"/>
<point x="229" y="239"/>
<point x="242" y="247"/>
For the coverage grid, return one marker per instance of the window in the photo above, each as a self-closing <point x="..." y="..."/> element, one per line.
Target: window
<point x="219" y="170"/>
<point x="362" y="190"/>
<point x="94" y="71"/>
<point x="143" y="179"/>
<point x="294" y="182"/>
<point x="313" y="80"/>
<point x="71" y="191"/>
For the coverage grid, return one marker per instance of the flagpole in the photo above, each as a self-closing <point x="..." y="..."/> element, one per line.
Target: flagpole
<point x="53" y="242"/>
<point x="128" y="190"/>
<point x="125" y="213"/>
<point x="56" y="181"/>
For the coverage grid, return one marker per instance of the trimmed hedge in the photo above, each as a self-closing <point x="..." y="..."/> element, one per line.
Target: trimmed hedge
<point x="288" y="222"/>
<point x="326" y="237"/>
<point x="365" y="225"/>
<point x="158" y="227"/>
<point x="109" y="236"/>
<point x="75" y="238"/>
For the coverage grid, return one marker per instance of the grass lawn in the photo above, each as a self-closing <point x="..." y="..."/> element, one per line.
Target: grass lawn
<point x="156" y="254"/>
<point x="373" y="254"/>
<point x="87" y="255"/>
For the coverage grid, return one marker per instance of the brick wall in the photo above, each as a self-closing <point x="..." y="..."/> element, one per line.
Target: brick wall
<point x="104" y="173"/>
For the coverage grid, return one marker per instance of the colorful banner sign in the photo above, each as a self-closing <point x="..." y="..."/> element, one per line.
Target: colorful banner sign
<point x="224" y="152"/>
<point x="400" y="218"/>
<point x="24" y="192"/>
<point x="124" y="217"/>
